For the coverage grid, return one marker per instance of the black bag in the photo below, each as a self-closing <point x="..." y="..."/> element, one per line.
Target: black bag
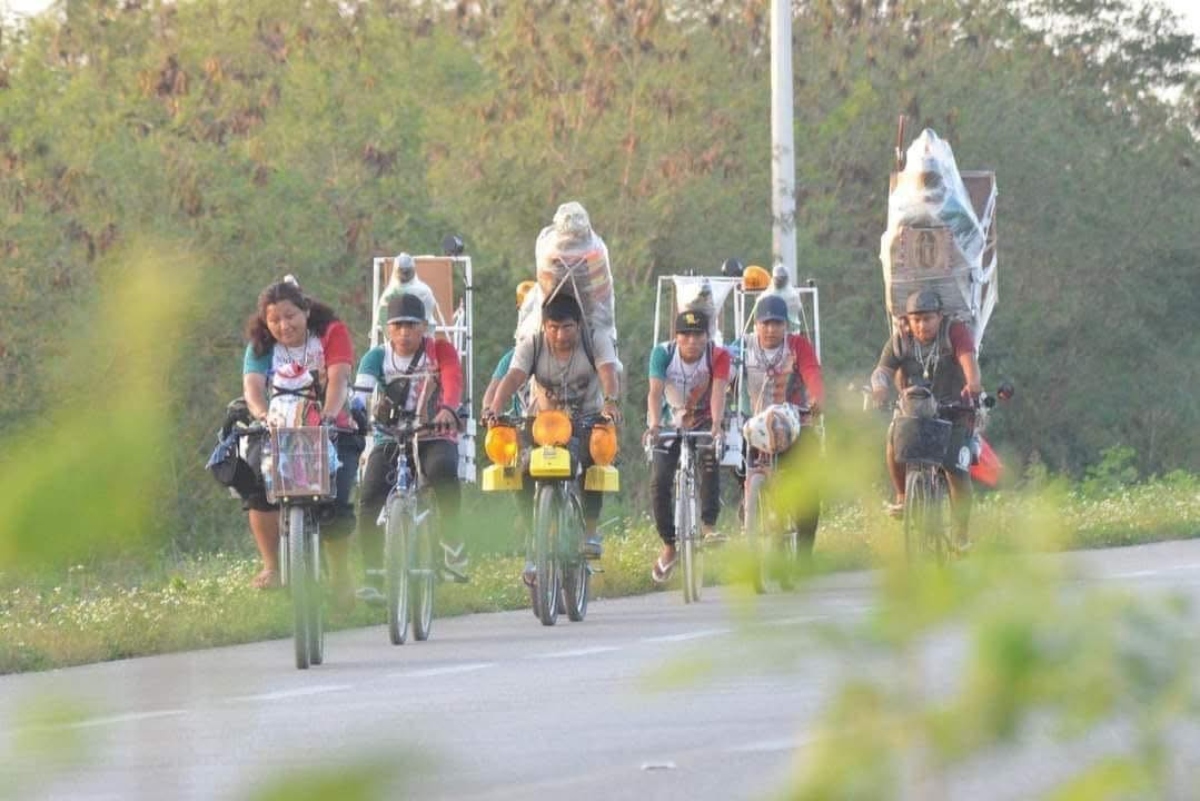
<point x="226" y="464"/>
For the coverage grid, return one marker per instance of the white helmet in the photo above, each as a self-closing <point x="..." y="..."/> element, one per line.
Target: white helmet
<point x="774" y="429"/>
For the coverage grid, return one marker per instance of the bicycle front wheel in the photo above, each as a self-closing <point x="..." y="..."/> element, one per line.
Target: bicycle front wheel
<point x="298" y="583"/>
<point x="924" y="534"/>
<point x="685" y="535"/>
<point x="546" y="532"/>
<point x="423" y="572"/>
<point x="395" y="558"/>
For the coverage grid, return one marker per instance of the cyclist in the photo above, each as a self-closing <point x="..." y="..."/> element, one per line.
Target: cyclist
<point x="421" y="377"/>
<point x="290" y="334"/>
<point x="572" y="373"/>
<point x="938" y="351"/>
<point x="688" y="379"/>
<point x="783" y="368"/>
<point x="502" y="366"/>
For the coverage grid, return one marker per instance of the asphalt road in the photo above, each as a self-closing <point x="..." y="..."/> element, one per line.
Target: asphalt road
<point x="646" y="699"/>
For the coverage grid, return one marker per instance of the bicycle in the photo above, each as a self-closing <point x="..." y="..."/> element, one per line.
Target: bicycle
<point x="408" y="545"/>
<point x="298" y="470"/>
<point x="687" y="504"/>
<point x="771" y="550"/>
<point x="920" y="438"/>
<point x="563" y="571"/>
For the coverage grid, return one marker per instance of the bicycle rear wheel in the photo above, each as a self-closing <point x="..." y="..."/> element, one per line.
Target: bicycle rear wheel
<point x="421" y="578"/>
<point x="758" y="531"/>
<point x="577" y="577"/>
<point x="299" y="583"/>
<point x="546" y="532"/>
<point x="395" y="558"/>
<point x="316" y="607"/>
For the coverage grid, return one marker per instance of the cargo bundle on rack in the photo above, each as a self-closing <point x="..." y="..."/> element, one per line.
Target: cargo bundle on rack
<point x="941" y="233"/>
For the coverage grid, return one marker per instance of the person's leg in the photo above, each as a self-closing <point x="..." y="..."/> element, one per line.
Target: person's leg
<point x="710" y="493"/>
<point x="381" y="466"/>
<point x="806" y="504"/>
<point x="264" y="525"/>
<point x="338" y="523"/>
<point x="662" y="485"/>
<point x="958" y="477"/>
<point x="439" y="464"/>
<point x="592" y="500"/>
<point x="896" y="473"/>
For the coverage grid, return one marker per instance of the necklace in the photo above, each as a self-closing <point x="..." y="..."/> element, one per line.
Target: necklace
<point x="291" y="357"/>
<point x="927" y="361"/>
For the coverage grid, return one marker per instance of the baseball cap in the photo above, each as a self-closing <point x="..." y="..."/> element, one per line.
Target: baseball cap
<point x="405" y="307"/>
<point x="925" y="300"/>
<point x="691" y="321"/>
<point x="771" y="307"/>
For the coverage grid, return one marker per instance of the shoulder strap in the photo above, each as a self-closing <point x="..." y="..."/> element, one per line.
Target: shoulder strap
<point x="401" y="400"/>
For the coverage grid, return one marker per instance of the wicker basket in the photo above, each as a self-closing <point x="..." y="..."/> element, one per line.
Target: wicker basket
<point x="920" y="439"/>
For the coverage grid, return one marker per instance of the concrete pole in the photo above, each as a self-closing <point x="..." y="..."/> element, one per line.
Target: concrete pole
<point x="783" y="140"/>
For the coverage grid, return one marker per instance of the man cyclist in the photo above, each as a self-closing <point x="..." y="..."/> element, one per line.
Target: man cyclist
<point x="779" y="367"/>
<point x="688" y="379"/>
<point x="571" y="372"/>
<point x="421" y="377"/>
<point x="938" y="352"/>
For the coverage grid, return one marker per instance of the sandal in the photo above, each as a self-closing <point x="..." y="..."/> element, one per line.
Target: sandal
<point x="268" y="579"/>
<point x="662" y="571"/>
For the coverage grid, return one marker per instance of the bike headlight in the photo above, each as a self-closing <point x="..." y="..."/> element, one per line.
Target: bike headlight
<point x="603" y="444"/>
<point x="501" y="445"/>
<point x="552" y="428"/>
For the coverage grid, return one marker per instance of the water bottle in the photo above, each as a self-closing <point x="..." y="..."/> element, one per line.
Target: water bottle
<point x="268" y="467"/>
<point x="403" y="479"/>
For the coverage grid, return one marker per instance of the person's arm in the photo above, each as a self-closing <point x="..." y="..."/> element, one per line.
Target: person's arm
<point x="254" y="390"/>
<point x="654" y="403"/>
<point x="497" y="376"/>
<point x="810" y="370"/>
<point x="521" y="368"/>
<point x="370" y="372"/>
<point x="964" y="351"/>
<point x="884" y="376"/>
<point x="339" y="366"/>
<point x="254" y="382"/>
<point x="721" y="368"/>
<point x="451" y="377"/>
<point x="610" y="386"/>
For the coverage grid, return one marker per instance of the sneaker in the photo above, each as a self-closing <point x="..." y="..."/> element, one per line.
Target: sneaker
<point x="593" y="548"/>
<point x="711" y="536"/>
<point x="371" y="596"/>
<point x="894" y="509"/>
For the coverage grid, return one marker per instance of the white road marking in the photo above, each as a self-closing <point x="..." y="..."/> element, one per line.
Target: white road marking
<point x="596" y="649"/>
<point x="441" y="671"/>
<point x="769" y="746"/>
<point x="128" y="718"/>
<point x="688" y="635"/>
<point x="299" y="692"/>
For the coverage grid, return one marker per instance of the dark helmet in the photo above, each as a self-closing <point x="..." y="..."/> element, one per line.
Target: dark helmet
<point x="925" y="300"/>
<point x="732" y="268"/>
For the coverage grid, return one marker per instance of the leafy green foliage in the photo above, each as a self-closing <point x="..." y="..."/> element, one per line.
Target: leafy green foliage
<point x="272" y="138"/>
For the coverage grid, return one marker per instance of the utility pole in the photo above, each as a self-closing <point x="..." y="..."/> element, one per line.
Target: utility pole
<point x="783" y="140"/>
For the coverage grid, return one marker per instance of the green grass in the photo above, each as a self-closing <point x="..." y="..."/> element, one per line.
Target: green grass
<point x="89" y="614"/>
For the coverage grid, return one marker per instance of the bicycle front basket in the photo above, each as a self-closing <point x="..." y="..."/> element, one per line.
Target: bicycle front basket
<point x="920" y="439"/>
<point x="300" y="465"/>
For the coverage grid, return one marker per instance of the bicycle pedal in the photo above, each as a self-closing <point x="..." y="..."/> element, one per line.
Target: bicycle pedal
<point x="454" y="577"/>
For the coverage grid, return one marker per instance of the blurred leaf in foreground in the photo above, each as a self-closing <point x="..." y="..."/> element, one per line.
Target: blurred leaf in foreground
<point x="82" y="481"/>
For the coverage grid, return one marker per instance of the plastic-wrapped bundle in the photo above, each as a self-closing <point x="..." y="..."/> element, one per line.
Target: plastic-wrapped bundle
<point x="572" y="258"/>
<point x="929" y="191"/>
<point x="696" y="293"/>
<point x="934" y="239"/>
